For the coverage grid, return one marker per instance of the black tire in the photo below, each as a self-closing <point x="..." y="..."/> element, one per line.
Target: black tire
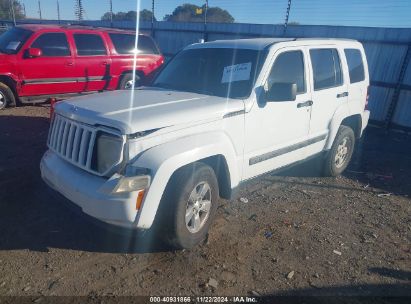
<point x="335" y="165"/>
<point x="7" y="98"/>
<point x="124" y="83"/>
<point x="171" y="222"/>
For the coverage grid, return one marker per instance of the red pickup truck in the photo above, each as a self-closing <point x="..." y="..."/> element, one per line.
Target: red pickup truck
<point x="42" y="61"/>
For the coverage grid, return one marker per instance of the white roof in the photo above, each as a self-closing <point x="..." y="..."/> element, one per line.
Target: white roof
<point x="253" y="43"/>
<point x="262" y="43"/>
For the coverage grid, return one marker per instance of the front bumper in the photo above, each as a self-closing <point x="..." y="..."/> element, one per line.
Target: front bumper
<point x="82" y="188"/>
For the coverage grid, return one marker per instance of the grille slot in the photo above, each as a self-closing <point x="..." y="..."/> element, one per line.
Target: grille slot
<point x="73" y="141"/>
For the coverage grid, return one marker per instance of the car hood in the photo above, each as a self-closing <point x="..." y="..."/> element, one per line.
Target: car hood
<point x="146" y="109"/>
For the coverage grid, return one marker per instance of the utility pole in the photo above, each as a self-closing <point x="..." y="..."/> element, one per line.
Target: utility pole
<point x="40" y="10"/>
<point x="111" y="13"/>
<point x="58" y="11"/>
<point x="287" y="15"/>
<point x="79" y="10"/>
<point x="205" y="21"/>
<point x="12" y="11"/>
<point x="24" y="10"/>
<point x="152" y="18"/>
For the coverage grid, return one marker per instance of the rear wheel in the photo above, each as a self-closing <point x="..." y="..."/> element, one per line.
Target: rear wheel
<point x="341" y="152"/>
<point x="6" y="96"/>
<point x="189" y="205"/>
<point x="127" y="82"/>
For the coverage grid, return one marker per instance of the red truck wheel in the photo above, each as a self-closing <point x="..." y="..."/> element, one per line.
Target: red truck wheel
<point x="127" y="82"/>
<point x="6" y="96"/>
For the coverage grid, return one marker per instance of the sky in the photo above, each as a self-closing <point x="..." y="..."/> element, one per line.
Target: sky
<point x="381" y="13"/>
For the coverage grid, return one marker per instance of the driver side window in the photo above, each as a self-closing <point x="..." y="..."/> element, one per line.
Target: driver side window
<point x="52" y="45"/>
<point x="289" y="68"/>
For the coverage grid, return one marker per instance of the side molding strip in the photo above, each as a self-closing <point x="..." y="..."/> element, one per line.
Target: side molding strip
<point x="275" y="153"/>
<point x="62" y="80"/>
<point x="235" y="113"/>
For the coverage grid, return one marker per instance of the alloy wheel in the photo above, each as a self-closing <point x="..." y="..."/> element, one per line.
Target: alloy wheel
<point x="198" y="207"/>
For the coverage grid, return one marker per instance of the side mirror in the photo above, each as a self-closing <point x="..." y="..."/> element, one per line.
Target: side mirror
<point x="34" y="53"/>
<point x="281" y="92"/>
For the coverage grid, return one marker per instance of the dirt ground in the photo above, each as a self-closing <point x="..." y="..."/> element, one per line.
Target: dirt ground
<point x="298" y="233"/>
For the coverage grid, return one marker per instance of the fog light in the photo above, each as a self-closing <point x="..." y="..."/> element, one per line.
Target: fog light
<point x="133" y="183"/>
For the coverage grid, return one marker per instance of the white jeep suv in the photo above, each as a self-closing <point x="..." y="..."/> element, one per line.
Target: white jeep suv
<point x="218" y="114"/>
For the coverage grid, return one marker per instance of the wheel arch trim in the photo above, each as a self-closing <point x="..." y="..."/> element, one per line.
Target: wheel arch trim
<point x="165" y="159"/>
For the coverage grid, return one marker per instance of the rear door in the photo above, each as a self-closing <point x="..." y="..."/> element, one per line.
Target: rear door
<point x="328" y="89"/>
<point x="52" y="72"/>
<point x="92" y="62"/>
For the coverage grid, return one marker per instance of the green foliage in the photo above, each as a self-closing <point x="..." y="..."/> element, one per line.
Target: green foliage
<point x="5" y="10"/>
<point x="145" y="15"/>
<point x="190" y="13"/>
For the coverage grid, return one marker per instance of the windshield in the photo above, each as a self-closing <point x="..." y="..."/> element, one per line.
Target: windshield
<point x="225" y="72"/>
<point x="12" y="40"/>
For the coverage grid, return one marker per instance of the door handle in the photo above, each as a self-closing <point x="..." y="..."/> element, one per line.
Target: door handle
<point x="104" y="63"/>
<point x="308" y="103"/>
<point x="70" y="63"/>
<point x="344" y="94"/>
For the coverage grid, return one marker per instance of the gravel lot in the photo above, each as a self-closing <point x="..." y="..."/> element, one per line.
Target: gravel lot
<point x="298" y="233"/>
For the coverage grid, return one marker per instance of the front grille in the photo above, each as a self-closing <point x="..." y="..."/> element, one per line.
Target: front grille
<point x="73" y="141"/>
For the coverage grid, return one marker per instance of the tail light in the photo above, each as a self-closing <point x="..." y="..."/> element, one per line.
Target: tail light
<point x="366" y="98"/>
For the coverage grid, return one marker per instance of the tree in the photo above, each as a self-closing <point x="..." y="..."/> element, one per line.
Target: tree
<point x="5" y="9"/>
<point x="145" y="15"/>
<point x="193" y="13"/>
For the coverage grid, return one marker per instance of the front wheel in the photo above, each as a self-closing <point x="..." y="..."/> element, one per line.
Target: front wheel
<point x="189" y="205"/>
<point x="341" y="152"/>
<point x="6" y="96"/>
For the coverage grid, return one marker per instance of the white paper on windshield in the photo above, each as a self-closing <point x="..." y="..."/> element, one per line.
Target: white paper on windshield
<point x="236" y="72"/>
<point x="13" y="45"/>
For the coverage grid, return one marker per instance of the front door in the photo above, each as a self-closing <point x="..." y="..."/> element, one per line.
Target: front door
<point x="276" y="132"/>
<point x="92" y="61"/>
<point x="53" y="71"/>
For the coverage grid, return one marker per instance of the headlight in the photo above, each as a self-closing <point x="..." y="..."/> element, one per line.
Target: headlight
<point x="133" y="183"/>
<point x="107" y="152"/>
<point x="121" y="184"/>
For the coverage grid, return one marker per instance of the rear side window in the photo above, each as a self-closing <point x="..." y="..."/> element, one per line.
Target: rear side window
<point x="326" y="68"/>
<point x="146" y="45"/>
<point x="52" y="45"/>
<point x="124" y="44"/>
<point x="355" y="65"/>
<point x="89" y="45"/>
<point x="289" y="68"/>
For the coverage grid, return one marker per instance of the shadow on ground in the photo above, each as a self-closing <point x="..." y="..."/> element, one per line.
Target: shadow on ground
<point x="381" y="160"/>
<point x="361" y="293"/>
